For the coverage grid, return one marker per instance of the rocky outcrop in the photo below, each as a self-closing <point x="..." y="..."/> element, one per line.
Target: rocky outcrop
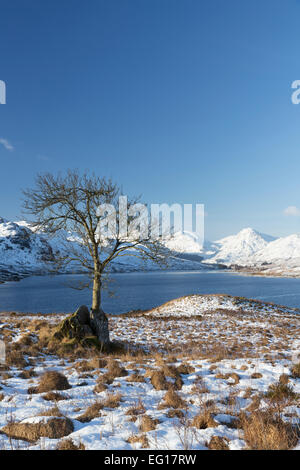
<point x="99" y="325"/>
<point x="85" y="328"/>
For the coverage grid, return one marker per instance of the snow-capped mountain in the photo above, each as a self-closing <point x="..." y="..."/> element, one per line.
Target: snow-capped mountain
<point x="285" y="249"/>
<point x="240" y="249"/>
<point x="184" y="242"/>
<point x="24" y="251"/>
<point x="258" y="252"/>
<point x="21" y="250"/>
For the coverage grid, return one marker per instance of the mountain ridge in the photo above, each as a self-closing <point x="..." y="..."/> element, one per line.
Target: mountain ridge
<point x="25" y="251"/>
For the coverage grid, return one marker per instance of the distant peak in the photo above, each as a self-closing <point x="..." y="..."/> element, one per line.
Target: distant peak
<point x="248" y="230"/>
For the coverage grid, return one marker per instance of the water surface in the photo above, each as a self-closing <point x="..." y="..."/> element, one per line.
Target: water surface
<point x="135" y="291"/>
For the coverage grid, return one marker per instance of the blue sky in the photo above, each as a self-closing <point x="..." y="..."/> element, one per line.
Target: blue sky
<point x="178" y="100"/>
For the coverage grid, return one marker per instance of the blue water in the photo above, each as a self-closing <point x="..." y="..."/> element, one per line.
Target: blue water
<point x="134" y="291"/>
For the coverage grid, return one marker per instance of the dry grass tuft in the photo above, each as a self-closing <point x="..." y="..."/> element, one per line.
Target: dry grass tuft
<point x="68" y="444"/>
<point x="100" y="387"/>
<point x="136" y="410"/>
<point x="54" y="396"/>
<point x="55" y="411"/>
<point x="264" y="431"/>
<point x="235" y="377"/>
<point x="158" y="380"/>
<point x="15" y="359"/>
<point x="284" y="379"/>
<point x="173" y="413"/>
<point x="142" y="439"/>
<point x="136" y="377"/>
<point x="173" y="400"/>
<point x="26" y="340"/>
<point x="185" y="369"/>
<point x="280" y="392"/>
<point x="54" y="428"/>
<point x="93" y="411"/>
<point x="255" y="403"/>
<point x="27" y="374"/>
<point x="52" y="380"/>
<point x="148" y="423"/>
<point x="256" y="375"/>
<point x="295" y="371"/>
<point x="112" y="400"/>
<point x="204" y="420"/>
<point x="115" y="370"/>
<point x="218" y="443"/>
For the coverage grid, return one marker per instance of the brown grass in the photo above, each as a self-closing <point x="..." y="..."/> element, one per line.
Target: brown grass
<point x="55" y="411"/>
<point x="280" y="392"/>
<point x="54" y="428"/>
<point x="148" y="423"/>
<point x="173" y="400"/>
<point x="158" y="380"/>
<point x="136" y="377"/>
<point x="218" y="443"/>
<point x="234" y="376"/>
<point x="68" y="444"/>
<point x="97" y="363"/>
<point x="256" y="375"/>
<point x="115" y="370"/>
<point x="54" y="396"/>
<point x="255" y="403"/>
<point x="99" y="387"/>
<point x="175" y="413"/>
<point x="136" y="410"/>
<point x="112" y="400"/>
<point x="264" y="431"/>
<point x="284" y="379"/>
<point x="204" y="420"/>
<point x="185" y="369"/>
<point x="15" y="359"/>
<point x="50" y="381"/>
<point x="93" y="411"/>
<point x="27" y="374"/>
<point x="142" y="439"/>
<point x="26" y="340"/>
<point x="295" y="371"/>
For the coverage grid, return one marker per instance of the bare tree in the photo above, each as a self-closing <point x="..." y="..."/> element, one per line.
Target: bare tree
<point x="69" y="205"/>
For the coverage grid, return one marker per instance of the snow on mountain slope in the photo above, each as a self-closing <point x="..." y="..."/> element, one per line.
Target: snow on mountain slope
<point x="22" y="249"/>
<point x="183" y="242"/>
<point x="285" y="249"/>
<point x="240" y="248"/>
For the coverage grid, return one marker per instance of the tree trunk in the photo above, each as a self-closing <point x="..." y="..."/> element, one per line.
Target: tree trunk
<point x="98" y="319"/>
<point x="96" y="305"/>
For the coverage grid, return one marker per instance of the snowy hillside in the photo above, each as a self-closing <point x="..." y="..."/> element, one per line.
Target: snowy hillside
<point x="286" y="249"/>
<point x="185" y="242"/>
<point x="240" y="249"/>
<point x="23" y="251"/>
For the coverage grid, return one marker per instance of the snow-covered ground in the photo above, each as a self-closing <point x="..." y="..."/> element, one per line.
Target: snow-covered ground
<point x="218" y="354"/>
